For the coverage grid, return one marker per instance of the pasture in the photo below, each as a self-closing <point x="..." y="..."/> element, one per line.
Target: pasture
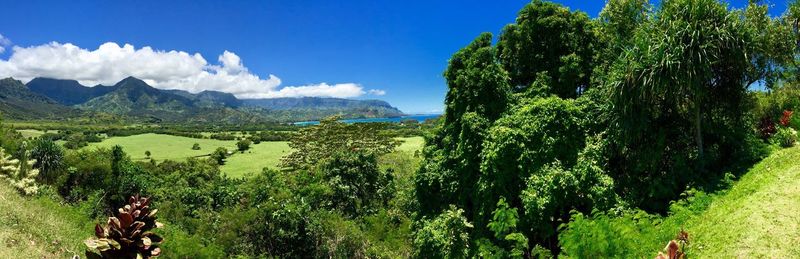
<point x="163" y="147"/>
<point x="259" y="156"/>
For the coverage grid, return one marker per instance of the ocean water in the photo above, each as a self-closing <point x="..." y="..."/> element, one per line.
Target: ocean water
<point x="419" y="118"/>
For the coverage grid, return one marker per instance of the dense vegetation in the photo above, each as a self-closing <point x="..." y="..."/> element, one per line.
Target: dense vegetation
<point x="567" y="115"/>
<point x="569" y="136"/>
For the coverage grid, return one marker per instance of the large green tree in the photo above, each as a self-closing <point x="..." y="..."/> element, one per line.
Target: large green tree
<point x="548" y="37"/>
<point x="478" y="94"/>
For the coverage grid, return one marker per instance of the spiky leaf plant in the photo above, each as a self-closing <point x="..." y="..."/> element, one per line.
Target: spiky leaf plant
<point x="20" y="174"/>
<point x="129" y="234"/>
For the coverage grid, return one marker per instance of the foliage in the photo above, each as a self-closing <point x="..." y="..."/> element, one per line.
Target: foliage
<point x="195" y="146"/>
<point x="49" y="158"/>
<point x="548" y="37"/>
<point x="356" y="183"/>
<point x="316" y="143"/>
<point x="128" y="235"/>
<point x="219" y="155"/>
<point x="446" y="236"/>
<point x="243" y="145"/>
<point x="478" y="94"/>
<point x="785" y="137"/>
<point x="19" y="172"/>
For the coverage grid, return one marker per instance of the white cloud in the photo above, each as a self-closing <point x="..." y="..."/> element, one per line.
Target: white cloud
<point x="377" y="92"/>
<point x="111" y="63"/>
<point x="4" y="42"/>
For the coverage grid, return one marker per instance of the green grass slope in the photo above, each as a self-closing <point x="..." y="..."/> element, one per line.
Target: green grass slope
<point x="758" y="218"/>
<point x="40" y="227"/>
<point x="259" y="156"/>
<point x="163" y="146"/>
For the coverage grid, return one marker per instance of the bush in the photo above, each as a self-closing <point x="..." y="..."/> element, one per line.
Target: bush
<point x="49" y="159"/>
<point x="446" y="236"/>
<point x="196" y="146"/>
<point x="243" y="145"/>
<point x="785" y="137"/>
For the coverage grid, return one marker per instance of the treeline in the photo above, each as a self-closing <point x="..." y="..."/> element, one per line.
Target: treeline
<point x="567" y="115"/>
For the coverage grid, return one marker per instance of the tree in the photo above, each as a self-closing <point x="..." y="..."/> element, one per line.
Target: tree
<point x="317" y="143"/>
<point x="243" y="145"/>
<point x="219" y="155"/>
<point x="478" y="94"/>
<point x="49" y="158"/>
<point x="548" y="37"/>
<point x="358" y="185"/>
<point x="682" y="58"/>
<point x="147" y="154"/>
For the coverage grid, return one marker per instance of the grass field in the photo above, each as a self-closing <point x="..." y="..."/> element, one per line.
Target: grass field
<point x="40" y="227"/>
<point x="265" y="154"/>
<point x="268" y="154"/>
<point x="30" y="133"/>
<point x="164" y="147"/>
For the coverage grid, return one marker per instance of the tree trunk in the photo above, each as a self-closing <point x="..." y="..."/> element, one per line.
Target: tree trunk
<point x="698" y="137"/>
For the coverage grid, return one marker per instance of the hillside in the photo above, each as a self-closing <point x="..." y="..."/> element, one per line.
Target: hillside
<point x="314" y="108"/>
<point x="67" y="92"/>
<point x="758" y="217"/>
<point x="135" y="98"/>
<point x="18" y="102"/>
<point x="39" y="227"/>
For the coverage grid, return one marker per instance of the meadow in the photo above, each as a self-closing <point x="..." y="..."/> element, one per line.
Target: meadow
<point x="259" y="156"/>
<point x="163" y="147"/>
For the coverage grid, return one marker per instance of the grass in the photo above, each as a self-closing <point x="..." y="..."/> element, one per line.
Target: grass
<point x="163" y="147"/>
<point x="30" y="133"/>
<point x="411" y="144"/>
<point x="758" y="217"/>
<point x="259" y="156"/>
<point x="40" y="227"/>
<point x="265" y="154"/>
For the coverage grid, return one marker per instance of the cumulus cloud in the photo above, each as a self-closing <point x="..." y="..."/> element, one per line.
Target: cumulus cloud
<point x="4" y="42"/>
<point x="111" y="62"/>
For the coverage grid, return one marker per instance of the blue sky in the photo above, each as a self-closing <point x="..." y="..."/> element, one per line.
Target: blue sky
<point x="400" y="47"/>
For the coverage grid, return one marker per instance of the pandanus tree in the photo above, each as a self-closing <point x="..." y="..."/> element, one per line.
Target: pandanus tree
<point x="691" y="51"/>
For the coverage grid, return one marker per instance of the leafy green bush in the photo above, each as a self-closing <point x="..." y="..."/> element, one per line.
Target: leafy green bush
<point x="785" y="137"/>
<point x="446" y="236"/>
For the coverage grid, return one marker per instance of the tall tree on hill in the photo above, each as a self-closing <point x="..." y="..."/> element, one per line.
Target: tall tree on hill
<point x="548" y="37"/>
<point x="478" y="94"/>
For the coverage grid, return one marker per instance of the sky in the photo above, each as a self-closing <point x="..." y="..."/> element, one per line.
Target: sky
<point x="362" y="49"/>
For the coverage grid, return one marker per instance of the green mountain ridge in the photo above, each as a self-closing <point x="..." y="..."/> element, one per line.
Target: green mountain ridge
<point x="19" y="102"/>
<point x="134" y="98"/>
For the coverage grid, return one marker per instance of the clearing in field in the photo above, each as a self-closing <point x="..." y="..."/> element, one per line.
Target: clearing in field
<point x="30" y="133"/>
<point x="269" y="154"/>
<point x="163" y="147"/>
<point x="259" y="156"/>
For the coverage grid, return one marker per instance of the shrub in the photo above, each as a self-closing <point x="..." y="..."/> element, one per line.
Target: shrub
<point x="219" y="155"/>
<point x="196" y="146"/>
<point x="128" y="235"/>
<point x="19" y="172"/>
<point x="785" y="137"/>
<point x="49" y="159"/>
<point x="446" y="236"/>
<point x="243" y="145"/>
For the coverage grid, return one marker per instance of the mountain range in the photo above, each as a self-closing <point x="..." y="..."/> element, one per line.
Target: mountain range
<point x="45" y="98"/>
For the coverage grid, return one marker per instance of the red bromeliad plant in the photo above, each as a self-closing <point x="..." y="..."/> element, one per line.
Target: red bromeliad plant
<point x="786" y="118"/>
<point x="128" y="235"/>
